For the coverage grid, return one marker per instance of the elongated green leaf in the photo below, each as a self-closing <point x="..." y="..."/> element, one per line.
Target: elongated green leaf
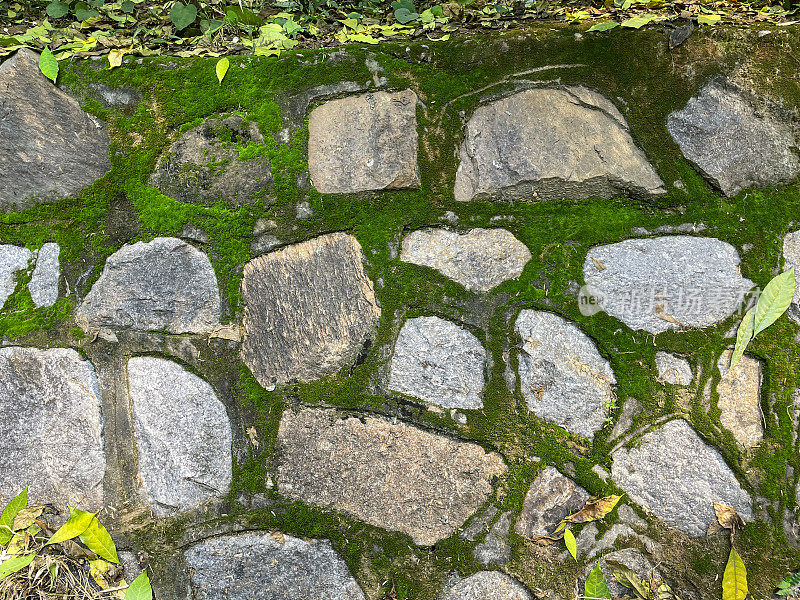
<point x="743" y="337"/>
<point x="222" y="68"/>
<point x="596" y="585"/>
<point x="572" y="546"/>
<point x="79" y="522"/>
<point x="603" y="26"/>
<point x="48" y="64"/>
<point x="98" y="540"/>
<point x="774" y="301"/>
<point x="710" y="19"/>
<point x="637" y="22"/>
<point x="9" y="513"/>
<point x="14" y="564"/>
<point x="628" y="578"/>
<point x="140" y="589"/>
<point x="734" y="581"/>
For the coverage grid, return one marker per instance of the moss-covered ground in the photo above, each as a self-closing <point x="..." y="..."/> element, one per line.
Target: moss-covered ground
<point x="645" y="80"/>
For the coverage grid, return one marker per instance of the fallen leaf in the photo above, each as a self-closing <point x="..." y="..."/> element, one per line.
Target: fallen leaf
<point x="600" y="266"/>
<point x="727" y="516"/>
<point x="278" y="537"/>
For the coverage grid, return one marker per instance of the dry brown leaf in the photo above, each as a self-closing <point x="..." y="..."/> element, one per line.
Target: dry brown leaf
<point x="600" y="266"/>
<point x="594" y="511"/>
<point x="727" y="516"/>
<point x="278" y="537"/>
<point x="27" y="517"/>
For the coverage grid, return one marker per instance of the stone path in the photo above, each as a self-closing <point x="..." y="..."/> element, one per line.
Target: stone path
<point x="149" y="414"/>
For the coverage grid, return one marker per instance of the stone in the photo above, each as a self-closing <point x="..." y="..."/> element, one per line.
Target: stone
<point x="309" y="310"/>
<point x="439" y="362"/>
<point x="791" y="256"/>
<point x="673" y="369"/>
<point x="43" y="285"/>
<point x="631" y="409"/>
<point x="479" y="259"/>
<point x="163" y="285"/>
<point x="675" y="475"/>
<point x="563" y="378"/>
<point x="204" y="165"/>
<point x="49" y="147"/>
<point x="182" y="434"/>
<point x="552" y="144"/>
<point x="479" y="524"/>
<point x="51" y="431"/>
<point x="495" y="549"/>
<point x="733" y="147"/>
<point x="362" y="143"/>
<point x="388" y="474"/>
<point x="663" y="283"/>
<point x="487" y="585"/>
<point x="739" y="399"/>
<point x="268" y="566"/>
<point x="550" y="498"/>
<point x="13" y="259"/>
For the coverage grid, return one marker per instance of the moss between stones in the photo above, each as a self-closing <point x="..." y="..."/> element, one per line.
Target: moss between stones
<point x="449" y="77"/>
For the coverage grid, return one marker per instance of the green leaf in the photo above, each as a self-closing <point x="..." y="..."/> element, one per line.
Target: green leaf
<point x="9" y="513"/>
<point x="78" y="522"/>
<point x="734" y="581"/>
<point x="14" y="564"/>
<point x="604" y="26"/>
<point x="243" y="16"/>
<point x="774" y="301"/>
<point x="572" y="546"/>
<point x="98" y="540"/>
<point x="710" y="19"/>
<point x="403" y="15"/>
<point x="48" y="64"/>
<point x="596" y="585"/>
<point x="182" y="15"/>
<point x="222" y="68"/>
<point x="743" y="336"/>
<point x="140" y="589"/>
<point x="637" y="22"/>
<point x="127" y="7"/>
<point x="628" y="578"/>
<point x="57" y="9"/>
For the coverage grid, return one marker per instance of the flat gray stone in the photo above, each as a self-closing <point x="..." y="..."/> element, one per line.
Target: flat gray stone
<point x="739" y="399"/>
<point x="439" y="362"/>
<point x="268" y="567"/>
<point x="673" y="369"/>
<point x="479" y="524"/>
<point x="670" y="282"/>
<point x="183" y="436"/>
<point x="791" y="257"/>
<point x="388" y="474"/>
<point x="674" y="474"/>
<point x="163" y="285"/>
<point x="631" y="409"/>
<point x="203" y="164"/>
<point x="487" y="585"/>
<point x="563" y="378"/>
<point x="365" y="142"/>
<point x="49" y="147"/>
<point x="550" y="498"/>
<point x="495" y="549"/>
<point x="13" y="259"/>
<point x="43" y="285"/>
<point x="309" y="310"/>
<point x="51" y="436"/>
<point x="552" y="144"/>
<point x="733" y="147"/>
<point x="479" y="259"/>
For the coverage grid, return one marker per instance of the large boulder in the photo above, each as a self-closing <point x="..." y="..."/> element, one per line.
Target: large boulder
<point x="309" y="310"/>
<point x="552" y="144"/>
<point x="51" y="436"/>
<point x="362" y="143"/>
<point x="386" y="473"/>
<point x="439" y="362"/>
<point x="183" y="436"/>
<point x="670" y="282"/>
<point x="732" y="144"/>
<point x="49" y="147"/>
<point x="163" y="285"/>
<point x="674" y="474"/>
<point x="207" y="163"/>
<point x="479" y="259"/>
<point x="563" y="378"/>
<point x="268" y="566"/>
